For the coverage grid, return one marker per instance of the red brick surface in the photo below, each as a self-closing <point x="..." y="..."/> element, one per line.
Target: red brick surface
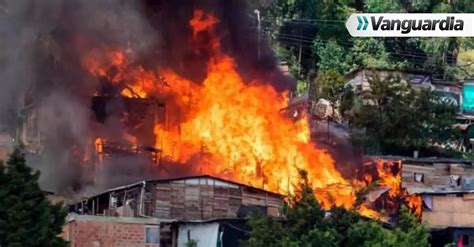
<point x="82" y="233"/>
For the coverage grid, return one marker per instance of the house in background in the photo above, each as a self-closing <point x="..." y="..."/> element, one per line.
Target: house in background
<point x="447" y="190"/>
<point x="359" y="79"/>
<point x="450" y="91"/>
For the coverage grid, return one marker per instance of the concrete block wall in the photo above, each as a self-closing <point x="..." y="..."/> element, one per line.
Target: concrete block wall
<point x="103" y="233"/>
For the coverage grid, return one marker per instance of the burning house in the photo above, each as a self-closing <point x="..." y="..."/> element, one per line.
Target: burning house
<point x="442" y="189"/>
<point x="110" y="107"/>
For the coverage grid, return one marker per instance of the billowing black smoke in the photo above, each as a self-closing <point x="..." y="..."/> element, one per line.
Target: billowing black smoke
<point x="43" y="42"/>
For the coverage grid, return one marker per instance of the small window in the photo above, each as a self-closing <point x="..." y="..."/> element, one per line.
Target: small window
<point x="454" y="180"/>
<point x="418" y="177"/>
<point x="152" y="235"/>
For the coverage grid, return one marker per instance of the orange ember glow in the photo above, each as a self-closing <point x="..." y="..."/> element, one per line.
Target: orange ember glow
<point x="390" y="176"/>
<point x="231" y="128"/>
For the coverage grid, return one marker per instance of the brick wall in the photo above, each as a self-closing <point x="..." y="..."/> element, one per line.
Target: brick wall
<point x="105" y="232"/>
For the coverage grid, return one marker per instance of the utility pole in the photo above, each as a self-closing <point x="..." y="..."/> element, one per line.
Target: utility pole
<point x="299" y="55"/>
<point x="257" y="12"/>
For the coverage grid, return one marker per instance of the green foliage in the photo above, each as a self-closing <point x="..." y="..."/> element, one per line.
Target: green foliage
<point x="307" y="224"/>
<point x="408" y="233"/>
<point x="364" y="52"/>
<point x="398" y="119"/>
<point x="377" y="6"/>
<point x="322" y="23"/>
<point x="329" y="85"/>
<point x="26" y="216"/>
<point x="341" y="221"/>
<point x="291" y="24"/>
<point x="303" y="205"/>
<point x="265" y="231"/>
<point x="333" y="56"/>
<point x="372" y="53"/>
<point x="301" y="88"/>
<point x="370" y="233"/>
<point x="288" y="56"/>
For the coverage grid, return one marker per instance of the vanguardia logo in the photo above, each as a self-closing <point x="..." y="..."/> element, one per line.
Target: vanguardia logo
<point x="406" y="26"/>
<point x="411" y="25"/>
<point x="363" y="23"/>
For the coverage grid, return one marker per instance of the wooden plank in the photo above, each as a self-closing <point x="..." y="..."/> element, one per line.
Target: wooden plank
<point x="219" y="213"/>
<point x="221" y="191"/>
<point x="164" y="196"/>
<point x="421" y="168"/>
<point x="252" y="201"/>
<point x="235" y="201"/>
<point x="160" y="203"/>
<point x="191" y="193"/>
<point x="456" y="170"/>
<point x="441" y="180"/>
<point x="162" y="215"/>
<point x="163" y="186"/>
<point x="254" y="195"/>
<point x="223" y="206"/>
<point x="275" y="202"/>
<point x="190" y="189"/>
<point x="177" y="213"/>
<point x="177" y="204"/>
<point x="235" y="192"/>
<point x="440" y="169"/>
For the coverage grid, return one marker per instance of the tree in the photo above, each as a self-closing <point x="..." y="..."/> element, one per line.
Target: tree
<point x="329" y="85"/>
<point x="370" y="233"/>
<point x="265" y="231"/>
<point x="398" y="119"/>
<point x="333" y="57"/>
<point x="295" y="24"/>
<point x="26" y="216"/>
<point x="307" y="224"/>
<point x="313" y="31"/>
<point x="409" y="232"/>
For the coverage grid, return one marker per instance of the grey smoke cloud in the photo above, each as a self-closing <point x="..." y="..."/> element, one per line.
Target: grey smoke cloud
<point x="41" y="47"/>
<point x="38" y="58"/>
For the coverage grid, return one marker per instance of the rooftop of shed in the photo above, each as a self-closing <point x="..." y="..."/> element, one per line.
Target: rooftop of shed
<point x="189" y="180"/>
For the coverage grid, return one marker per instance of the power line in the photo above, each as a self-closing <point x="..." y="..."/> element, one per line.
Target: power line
<point x="299" y="19"/>
<point x="305" y="40"/>
<point x="400" y="57"/>
<point x="416" y="58"/>
<point x="310" y="38"/>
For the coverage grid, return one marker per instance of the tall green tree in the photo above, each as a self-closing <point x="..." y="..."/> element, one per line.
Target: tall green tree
<point x="296" y="24"/>
<point x="397" y="119"/>
<point x="26" y="216"/>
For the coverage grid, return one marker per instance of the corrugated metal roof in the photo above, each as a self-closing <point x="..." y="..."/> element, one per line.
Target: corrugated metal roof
<point x="419" y="160"/>
<point x="428" y="190"/>
<point x="162" y="180"/>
